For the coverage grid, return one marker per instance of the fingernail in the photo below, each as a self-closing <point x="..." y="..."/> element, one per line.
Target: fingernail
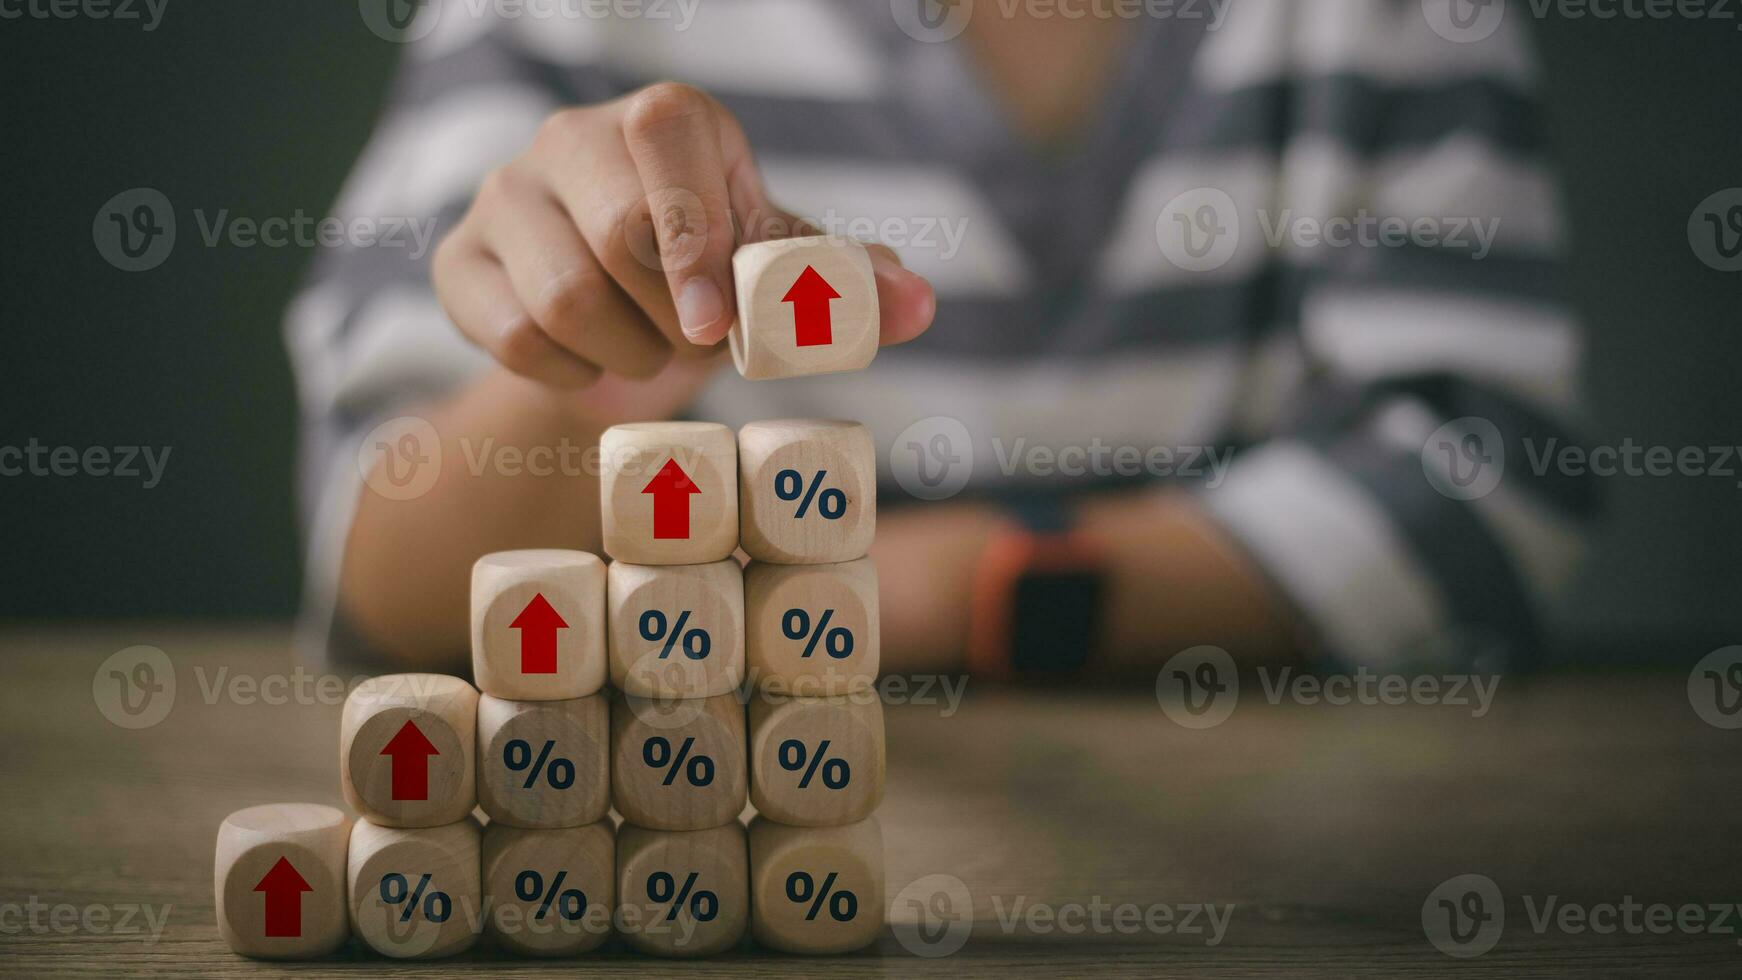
<point x="699" y="304"/>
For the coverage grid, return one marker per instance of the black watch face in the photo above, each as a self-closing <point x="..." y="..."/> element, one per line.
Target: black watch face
<point x="1055" y="620"/>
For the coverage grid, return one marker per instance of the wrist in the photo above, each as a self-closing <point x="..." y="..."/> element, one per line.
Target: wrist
<point x="1037" y="594"/>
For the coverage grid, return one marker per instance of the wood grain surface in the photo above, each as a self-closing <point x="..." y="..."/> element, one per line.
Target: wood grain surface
<point x="1325" y="827"/>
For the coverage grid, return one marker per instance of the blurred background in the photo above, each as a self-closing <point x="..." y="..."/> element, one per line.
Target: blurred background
<point x="261" y="108"/>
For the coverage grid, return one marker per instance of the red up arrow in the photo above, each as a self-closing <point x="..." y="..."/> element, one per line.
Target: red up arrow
<point x="538" y="624"/>
<point x="810" y="297"/>
<point x="283" y="888"/>
<point x="671" y="488"/>
<point x="410" y="752"/>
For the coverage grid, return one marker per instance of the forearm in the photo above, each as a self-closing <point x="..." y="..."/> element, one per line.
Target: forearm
<point x="1173" y="581"/>
<point x="407" y="564"/>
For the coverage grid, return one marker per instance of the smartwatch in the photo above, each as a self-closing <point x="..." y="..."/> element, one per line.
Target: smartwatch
<point x="1035" y="602"/>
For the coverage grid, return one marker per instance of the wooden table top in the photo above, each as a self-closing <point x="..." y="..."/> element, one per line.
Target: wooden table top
<point x="1326" y="828"/>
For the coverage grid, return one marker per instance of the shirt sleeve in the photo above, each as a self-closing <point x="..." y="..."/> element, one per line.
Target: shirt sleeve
<point x="366" y="336"/>
<point x="1400" y="502"/>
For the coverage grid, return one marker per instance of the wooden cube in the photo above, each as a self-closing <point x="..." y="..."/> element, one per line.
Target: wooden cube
<point x="683" y="893"/>
<point x="805" y="306"/>
<point x="544" y="764"/>
<point x="415" y="893"/>
<point x="816" y="889"/>
<point x="816" y="762"/>
<point x="678" y="764"/>
<point x="669" y="492"/>
<point x="807" y="491"/>
<point x="811" y="630"/>
<point x="550" y="892"/>
<point x="676" y="631"/>
<point x="406" y="744"/>
<point x="538" y="624"/>
<point x="279" y="879"/>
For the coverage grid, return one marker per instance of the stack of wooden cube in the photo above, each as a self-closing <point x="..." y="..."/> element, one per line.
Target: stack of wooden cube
<point x="691" y="644"/>
<point x="675" y="615"/>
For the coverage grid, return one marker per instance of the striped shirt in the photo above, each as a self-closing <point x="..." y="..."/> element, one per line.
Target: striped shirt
<point x="1298" y="238"/>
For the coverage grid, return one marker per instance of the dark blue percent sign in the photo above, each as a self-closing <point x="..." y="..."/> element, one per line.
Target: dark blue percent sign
<point x="696" y="642"/>
<point x="831" y="503"/>
<point x="836" y="642"/>
<point x="703" y="905"/>
<point x="396" y="890"/>
<point x="656" y="752"/>
<point x="842" y="904"/>
<point x="517" y="756"/>
<point x="794" y="756"/>
<point x="570" y="903"/>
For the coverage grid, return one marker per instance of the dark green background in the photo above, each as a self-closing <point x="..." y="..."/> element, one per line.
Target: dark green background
<point x="260" y="108"/>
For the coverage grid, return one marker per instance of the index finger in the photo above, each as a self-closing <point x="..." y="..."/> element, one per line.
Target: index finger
<point x="675" y="136"/>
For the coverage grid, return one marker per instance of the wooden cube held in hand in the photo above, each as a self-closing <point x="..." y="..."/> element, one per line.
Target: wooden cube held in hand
<point x="279" y="879"/>
<point x="811" y="630"/>
<point x="669" y="492"/>
<point x="406" y="746"/>
<point x="544" y="764"/>
<point x="683" y="893"/>
<point x="538" y="624"/>
<point x="816" y="889"/>
<point x="415" y="892"/>
<point x="550" y="892"/>
<point x="678" y="764"/>
<point x="816" y="762"/>
<point x="676" y="631"/>
<point x="807" y="491"/>
<point x="805" y="306"/>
